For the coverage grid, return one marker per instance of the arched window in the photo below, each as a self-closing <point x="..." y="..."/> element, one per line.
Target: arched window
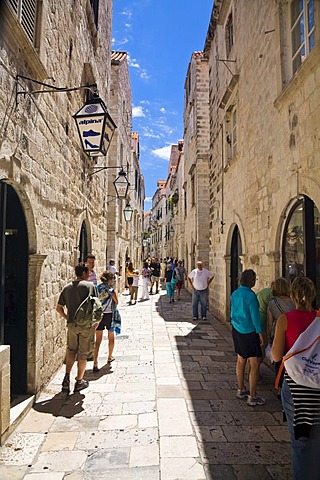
<point x="236" y="252"/>
<point x="83" y="243"/>
<point x="301" y="243"/>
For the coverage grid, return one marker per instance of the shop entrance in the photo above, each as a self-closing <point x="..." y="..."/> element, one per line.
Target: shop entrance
<point x="13" y="285"/>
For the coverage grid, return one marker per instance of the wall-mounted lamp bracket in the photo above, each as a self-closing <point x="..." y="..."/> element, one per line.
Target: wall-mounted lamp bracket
<point x="53" y="88"/>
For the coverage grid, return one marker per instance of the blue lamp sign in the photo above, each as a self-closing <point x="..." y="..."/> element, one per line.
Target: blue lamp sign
<point x="95" y="127"/>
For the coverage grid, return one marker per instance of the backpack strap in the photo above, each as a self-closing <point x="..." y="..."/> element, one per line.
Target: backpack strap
<point x="81" y="304"/>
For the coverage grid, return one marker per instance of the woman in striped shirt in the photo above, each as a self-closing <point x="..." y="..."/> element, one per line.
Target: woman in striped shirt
<point x="301" y="404"/>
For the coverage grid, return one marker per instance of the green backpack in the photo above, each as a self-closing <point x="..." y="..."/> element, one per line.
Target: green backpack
<point x="88" y="312"/>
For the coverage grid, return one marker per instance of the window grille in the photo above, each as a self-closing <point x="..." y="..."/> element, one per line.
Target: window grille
<point x="26" y="12"/>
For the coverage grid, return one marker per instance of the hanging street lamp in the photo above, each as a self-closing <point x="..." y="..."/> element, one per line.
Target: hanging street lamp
<point x="95" y="127"/>
<point x="128" y="211"/>
<point x="121" y="184"/>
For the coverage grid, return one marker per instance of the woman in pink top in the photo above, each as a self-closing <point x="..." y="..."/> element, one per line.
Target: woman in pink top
<point x="301" y="404"/>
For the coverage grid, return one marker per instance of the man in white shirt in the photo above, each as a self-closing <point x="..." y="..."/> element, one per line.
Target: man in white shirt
<point x="112" y="267"/>
<point x="199" y="279"/>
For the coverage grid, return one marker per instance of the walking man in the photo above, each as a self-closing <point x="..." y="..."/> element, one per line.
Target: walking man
<point x="80" y="339"/>
<point x="155" y="274"/>
<point x="200" y="279"/>
<point x="247" y="336"/>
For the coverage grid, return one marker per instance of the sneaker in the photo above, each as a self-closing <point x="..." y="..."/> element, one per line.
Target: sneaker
<point x="253" y="401"/>
<point x="80" y="385"/>
<point x="204" y="318"/>
<point x="195" y="319"/>
<point x="66" y="383"/>
<point x="242" y="394"/>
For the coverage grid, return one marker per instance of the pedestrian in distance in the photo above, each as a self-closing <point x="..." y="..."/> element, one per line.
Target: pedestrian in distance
<point x="145" y="274"/>
<point x="111" y="267"/>
<point x="200" y="279"/>
<point x="130" y="275"/>
<point x="181" y="276"/>
<point x="80" y="338"/>
<point x="155" y="274"/>
<point x="301" y="404"/>
<point x="109" y="300"/>
<point x="247" y="337"/>
<point x="134" y="287"/>
<point x="170" y="286"/>
<point x="90" y="261"/>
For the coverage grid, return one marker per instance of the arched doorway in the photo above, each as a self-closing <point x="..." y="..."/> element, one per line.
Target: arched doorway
<point x="235" y="266"/>
<point x="13" y="285"/>
<point x="301" y="243"/>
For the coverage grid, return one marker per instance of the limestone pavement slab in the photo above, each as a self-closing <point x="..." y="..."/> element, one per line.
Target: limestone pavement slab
<point x="165" y="409"/>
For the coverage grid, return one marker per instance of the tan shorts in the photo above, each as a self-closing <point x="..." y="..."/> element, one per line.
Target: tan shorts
<point x="80" y="340"/>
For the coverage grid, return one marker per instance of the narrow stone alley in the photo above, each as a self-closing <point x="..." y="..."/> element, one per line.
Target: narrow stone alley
<point x="165" y="409"/>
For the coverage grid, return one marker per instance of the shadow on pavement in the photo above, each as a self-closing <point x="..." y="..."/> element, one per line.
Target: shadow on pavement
<point x="235" y="440"/>
<point x="61" y="405"/>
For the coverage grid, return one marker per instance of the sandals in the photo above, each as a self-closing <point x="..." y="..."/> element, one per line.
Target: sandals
<point x="111" y="359"/>
<point x="96" y="369"/>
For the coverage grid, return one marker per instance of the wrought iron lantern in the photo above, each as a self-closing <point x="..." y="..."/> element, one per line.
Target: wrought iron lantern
<point x="95" y="127"/>
<point x="128" y="211"/>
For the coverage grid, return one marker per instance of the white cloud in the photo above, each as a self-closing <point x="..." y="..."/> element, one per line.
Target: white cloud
<point x="119" y="42"/>
<point x="162" y="110"/>
<point x="127" y="13"/>
<point x="138" y="112"/>
<point x="149" y="133"/>
<point x="148" y="199"/>
<point x="145" y="102"/>
<point x="163" y="152"/>
<point x="144" y="74"/>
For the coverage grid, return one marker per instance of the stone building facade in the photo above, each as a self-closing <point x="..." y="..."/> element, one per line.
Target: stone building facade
<point x="195" y="193"/>
<point x="122" y="240"/>
<point x="52" y="210"/>
<point x="136" y="198"/>
<point x="264" y="96"/>
<point x="249" y="181"/>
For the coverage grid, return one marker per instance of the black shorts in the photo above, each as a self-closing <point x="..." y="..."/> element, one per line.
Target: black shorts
<point x="246" y="344"/>
<point x="105" y="322"/>
<point x="130" y="280"/>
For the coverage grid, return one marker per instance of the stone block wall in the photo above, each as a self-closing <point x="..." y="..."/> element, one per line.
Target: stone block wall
<point x="41" y="157"/>
<point x="278" y="146"/>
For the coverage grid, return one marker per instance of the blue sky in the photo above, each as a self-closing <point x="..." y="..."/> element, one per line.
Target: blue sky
<point x="159" y="36"/>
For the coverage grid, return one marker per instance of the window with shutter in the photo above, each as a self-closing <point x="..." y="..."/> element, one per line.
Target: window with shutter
<point x="26" y="12"/>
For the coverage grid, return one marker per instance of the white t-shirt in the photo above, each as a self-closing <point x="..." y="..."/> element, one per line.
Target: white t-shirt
<point x="112" y="269"/>
<point x="135" y="282"/>
<point x="200" y="278"/>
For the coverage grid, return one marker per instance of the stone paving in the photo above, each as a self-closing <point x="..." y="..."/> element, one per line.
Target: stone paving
<point x="164" y="410"/>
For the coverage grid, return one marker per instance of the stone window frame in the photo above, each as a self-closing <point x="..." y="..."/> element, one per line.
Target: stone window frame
<point x="231" y="132"/>
<point x="302" y="34"/>
<point x="229" y="34"/>
<point x="193" y="190"/>
<point x="288" y="71"/>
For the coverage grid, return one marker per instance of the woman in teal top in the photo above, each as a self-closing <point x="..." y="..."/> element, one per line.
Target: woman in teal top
<point x="247" y="336"/>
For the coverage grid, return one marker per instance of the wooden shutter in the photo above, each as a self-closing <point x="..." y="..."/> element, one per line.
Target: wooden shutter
<point x="26" y="11"/>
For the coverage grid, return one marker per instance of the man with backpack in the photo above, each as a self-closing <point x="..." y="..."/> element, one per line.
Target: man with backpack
<point x="83" y="315"/>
